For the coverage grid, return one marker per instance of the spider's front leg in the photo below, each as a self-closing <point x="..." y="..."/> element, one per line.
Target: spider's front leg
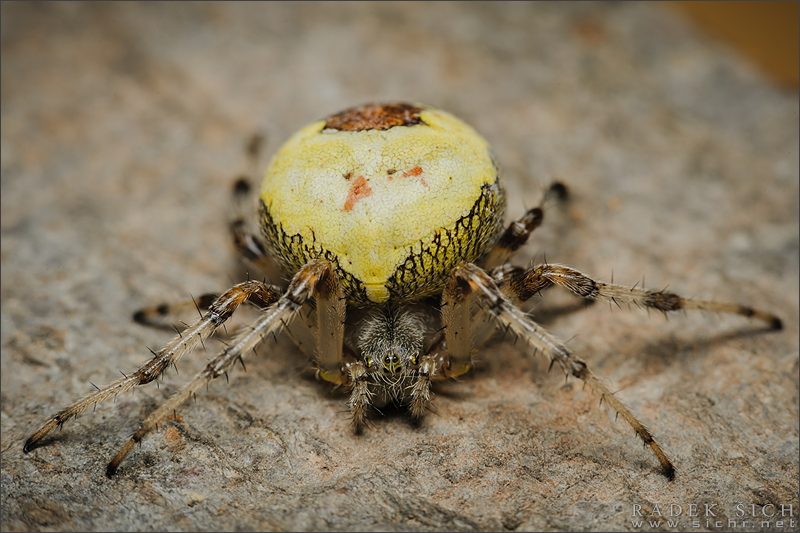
<point x="168" y="315"/>
<point x="458" y="319"/>
<point x="463" y="328"/>
<point x="460" y="329"/>
<point x="522" y="284"/>
<point x="303" y="286"/>
<point x="331" y="306"/>
<point x="472" y="281"/>
<point x="219" y="311"/>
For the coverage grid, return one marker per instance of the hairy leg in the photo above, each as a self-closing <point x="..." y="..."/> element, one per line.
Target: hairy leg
<point x="431" y="367"/>
<point x="301" y="289"/>
<point x="360" y="395"/>
<point x="219" y="311"/>
<point x="525" y="283"/>
<point x="476" y="280"/>
<point x="248" y="244"/>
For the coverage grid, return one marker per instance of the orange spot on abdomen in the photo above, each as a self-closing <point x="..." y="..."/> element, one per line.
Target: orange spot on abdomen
<point x="358" y="190"/>
<point x="415" y="171"/>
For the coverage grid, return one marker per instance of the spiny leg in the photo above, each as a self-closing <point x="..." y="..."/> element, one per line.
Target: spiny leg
<point x="168" y="315"/>
<point x="525" y="283"/>
<point x="519" y="231"/>
<point x="507" y="314"/>
<point x="249" y="245"/>
<point x="219" y="311"/>
<point x="301" y="288"/>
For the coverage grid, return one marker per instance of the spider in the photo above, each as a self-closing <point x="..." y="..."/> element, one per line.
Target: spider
<point x="390" y="215"/>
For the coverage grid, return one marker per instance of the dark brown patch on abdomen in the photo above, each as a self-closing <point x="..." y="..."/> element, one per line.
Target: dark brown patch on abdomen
<point x="374" y="117"/>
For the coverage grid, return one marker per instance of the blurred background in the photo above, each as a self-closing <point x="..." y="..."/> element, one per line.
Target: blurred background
<point x="674" y="125"/>
<point x="765" y="33"/>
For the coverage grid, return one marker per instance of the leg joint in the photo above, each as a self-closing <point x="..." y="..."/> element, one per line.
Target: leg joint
<point x="579" y="369"/>
<point x="663" y="301"/>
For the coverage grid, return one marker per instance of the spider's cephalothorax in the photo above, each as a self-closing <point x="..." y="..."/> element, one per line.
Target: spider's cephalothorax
<point x="387" y="221"/>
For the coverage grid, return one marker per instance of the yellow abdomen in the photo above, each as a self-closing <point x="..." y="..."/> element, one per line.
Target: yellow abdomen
<point x="396" y="195"/>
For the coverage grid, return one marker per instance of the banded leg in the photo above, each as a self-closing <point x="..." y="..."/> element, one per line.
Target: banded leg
<point x="540" y="339"/>
<point x="525" y="283"/>
<point x="246" y="241"/>
<point x="219" y="311"/>
<point x="166" y="315"/>
<point x="519" y="231"/>
<point x="301" y="288"/>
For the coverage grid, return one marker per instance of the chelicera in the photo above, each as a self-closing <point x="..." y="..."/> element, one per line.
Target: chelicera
<point x="387" y="222"/>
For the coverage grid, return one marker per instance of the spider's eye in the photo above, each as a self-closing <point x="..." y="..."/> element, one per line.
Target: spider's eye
<point x="391" y="363"/>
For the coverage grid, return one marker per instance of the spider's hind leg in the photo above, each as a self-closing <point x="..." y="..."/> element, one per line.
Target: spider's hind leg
<point x="245" y="237"/>
<point x="167" y="315"/>
<point x="518" y="232"/>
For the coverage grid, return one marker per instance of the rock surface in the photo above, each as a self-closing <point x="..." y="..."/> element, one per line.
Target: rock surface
<point x="122" y="129"/>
